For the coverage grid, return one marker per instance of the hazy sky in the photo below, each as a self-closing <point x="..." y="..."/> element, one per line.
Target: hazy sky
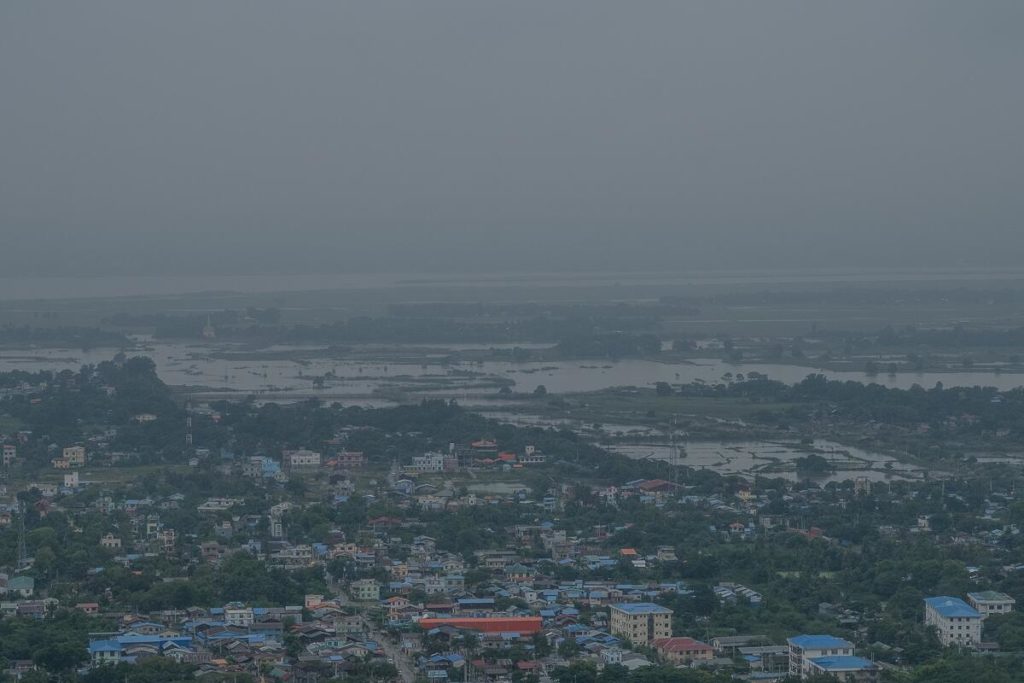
<point x="182" y="136"/>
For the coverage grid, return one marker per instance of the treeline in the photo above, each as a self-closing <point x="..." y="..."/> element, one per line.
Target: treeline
<point x="986" y="407"/>
<point x="65" y="405"/>
<point x="61" y="337"/>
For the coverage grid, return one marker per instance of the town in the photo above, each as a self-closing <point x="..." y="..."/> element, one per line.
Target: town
<point x="311" y="542"/>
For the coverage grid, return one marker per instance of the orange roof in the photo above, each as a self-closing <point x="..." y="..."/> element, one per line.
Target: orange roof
<point x="627" y="551"/>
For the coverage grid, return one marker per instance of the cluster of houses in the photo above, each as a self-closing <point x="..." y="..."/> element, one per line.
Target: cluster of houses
<point x="467" y="634"/>
<point x="403" y="581"/>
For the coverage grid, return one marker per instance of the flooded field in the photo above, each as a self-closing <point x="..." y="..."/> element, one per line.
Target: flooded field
<point x="774" y="459"/>
<point x="429" y="375"/>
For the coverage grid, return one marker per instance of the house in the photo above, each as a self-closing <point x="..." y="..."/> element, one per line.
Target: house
<point x="683" y="650"/>
<point x="845" y="668"/>
<point x="955" y="622"/>
<point x="640" y="622"/>
<point x="110" y="542"/>
<point x="804" y="648"/>
<point x="991" y="602"/>
<point x="22" y="586"/>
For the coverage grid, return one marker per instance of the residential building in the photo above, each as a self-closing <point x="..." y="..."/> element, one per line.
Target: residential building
<point x="991" y="602"/>
<point x="21" y="586"/>
<point x="350" y="459"/>
<point x="75" y="455"/>
<point x="302" y="458"/>
<point x="957" y="623"/>
<point x="846" y="668"/>
<point x="238" y="615"/>
<point x="683" y="650"/>
<point x="640" y="622"/>
<point x="110" y="542"/>
<point x="433" y="462"/>
<point x="365" y="590"/>
<point x="532" y="456"/>
<point x="805" y="648"/>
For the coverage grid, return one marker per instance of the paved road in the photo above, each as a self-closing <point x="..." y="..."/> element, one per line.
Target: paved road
<point x="404" y="663"/>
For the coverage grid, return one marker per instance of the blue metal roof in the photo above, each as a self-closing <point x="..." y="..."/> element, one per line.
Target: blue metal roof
<point x="104" y="646"/>
<point x="948" y="606"/>
<point x="641" y="608"/>
<point x="818" y="642"/>
<point x="843" y="663"/>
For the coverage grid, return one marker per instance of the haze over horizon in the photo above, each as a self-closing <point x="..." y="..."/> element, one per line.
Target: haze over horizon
<point x="241" y="137"/>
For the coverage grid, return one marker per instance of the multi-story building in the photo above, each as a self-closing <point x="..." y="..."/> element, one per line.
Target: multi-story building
<point x="432" y="462"/>
<point x="239" y="615"/>
<point x="804" y="649"/>
<point x="640" y="622"/>
<point x="991" y="602"/>
<point x="261" y="467"/>
<point x="302" y="458"/>
<point x="531" y="456"/>
<point x="350" y="459"/>
<point x="957" y="623"/>
<point x="365" y="590"/>
<point x="845" y="668"/>
<point x="10" y="453"/>
<point x="75" y="455"/>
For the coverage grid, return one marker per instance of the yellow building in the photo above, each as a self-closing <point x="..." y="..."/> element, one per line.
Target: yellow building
<point x="640" y="622"/>
<point x="75" y="455"/>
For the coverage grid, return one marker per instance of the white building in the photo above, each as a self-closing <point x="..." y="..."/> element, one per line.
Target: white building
<point x="957" y="623"/>
<point x="237" y="615"/>
<point x="428" y="462"/>
<point x="805" y="648"/>
<point x="302" y="458"/>
<point x="991" y="602"/>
